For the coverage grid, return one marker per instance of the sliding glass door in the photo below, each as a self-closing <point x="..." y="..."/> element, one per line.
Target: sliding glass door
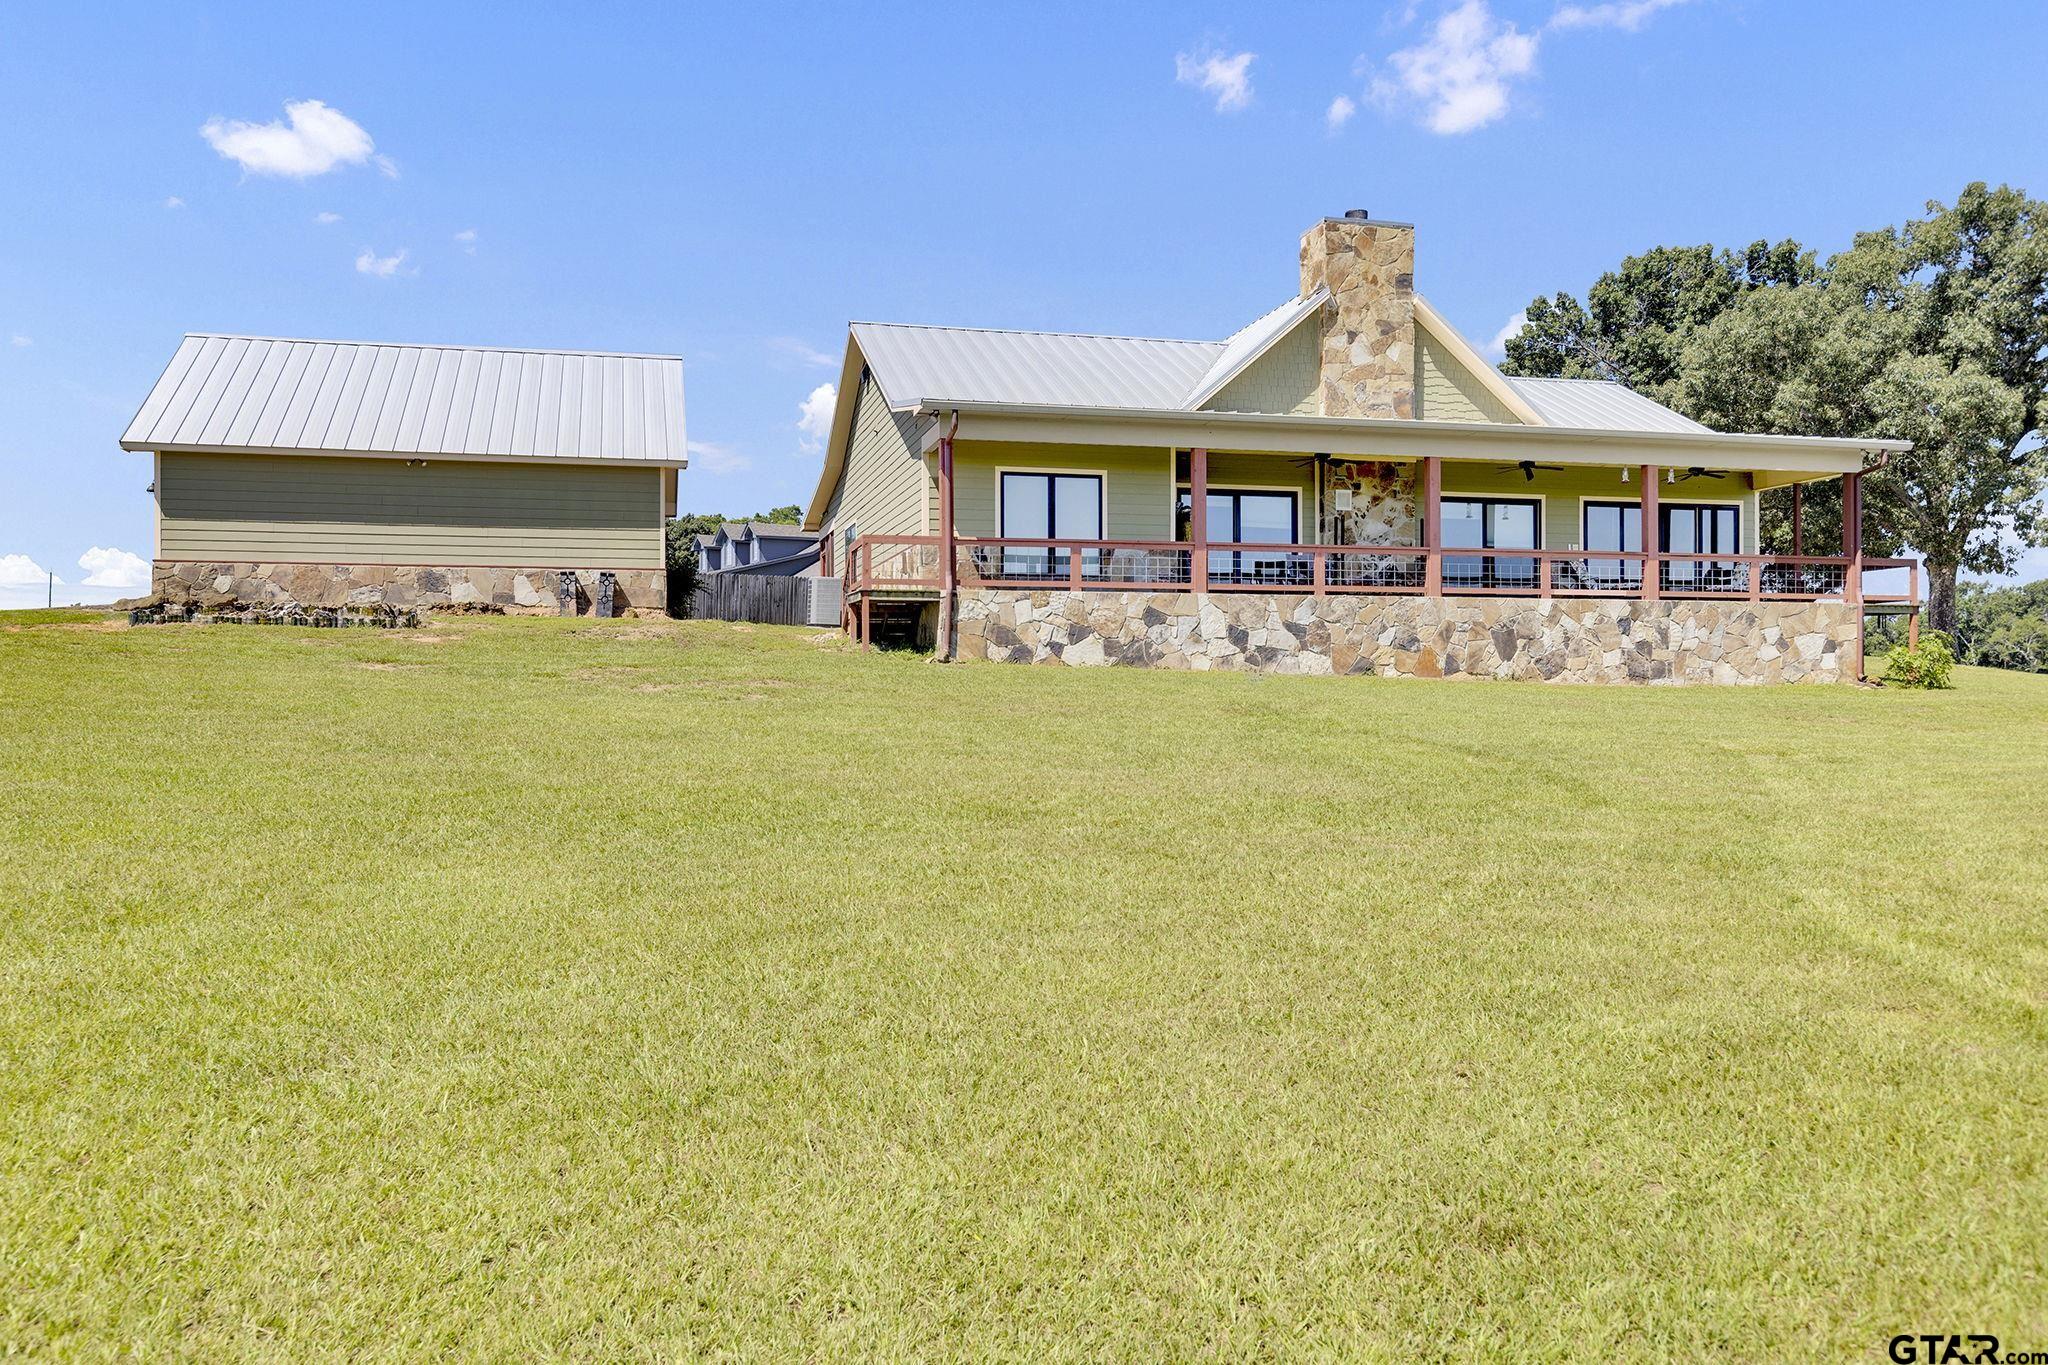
<point x="1684" y="528"/>
<point x="1491" y="524"/>
<point x="1049" y="507"/>
<point x="1701" y="529"/>
<point x="1248" y="517"/>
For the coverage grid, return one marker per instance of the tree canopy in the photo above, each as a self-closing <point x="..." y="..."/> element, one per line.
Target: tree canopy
<point x="1936" y="332"/>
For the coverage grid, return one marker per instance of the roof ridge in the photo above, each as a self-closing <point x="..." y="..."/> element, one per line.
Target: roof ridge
<point x="432" y="346"/>
<point x="1039" y="332"/>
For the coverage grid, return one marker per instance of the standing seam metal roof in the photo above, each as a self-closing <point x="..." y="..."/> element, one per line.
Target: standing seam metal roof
<point x="913" y="364"/>
<point x="1598" y="405"/>
<point x="1064" y="369"/>
<point x="275" y="394"/>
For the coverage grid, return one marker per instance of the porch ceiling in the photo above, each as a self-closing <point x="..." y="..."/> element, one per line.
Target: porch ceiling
<point x="1775" y="460"/>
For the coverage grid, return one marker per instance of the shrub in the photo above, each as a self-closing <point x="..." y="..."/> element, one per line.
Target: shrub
<point x="1927" y="664"/>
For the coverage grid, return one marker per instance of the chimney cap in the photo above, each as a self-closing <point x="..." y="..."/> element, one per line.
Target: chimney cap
<point x="1360" y="214"/>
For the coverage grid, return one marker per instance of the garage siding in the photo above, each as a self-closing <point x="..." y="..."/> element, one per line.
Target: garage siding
<point x="318" y="509"/>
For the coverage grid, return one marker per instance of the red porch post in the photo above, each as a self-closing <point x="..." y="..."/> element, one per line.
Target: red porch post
<point x="1433" y="525"/>
<point x="1198" y="519"/>
<point x="1653" y="540"/>
<point x="946" y="544"/>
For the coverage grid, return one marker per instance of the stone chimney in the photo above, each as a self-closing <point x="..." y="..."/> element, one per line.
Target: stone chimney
<point x="1368" y="352"/>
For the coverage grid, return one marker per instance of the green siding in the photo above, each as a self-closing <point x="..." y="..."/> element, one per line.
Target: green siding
<point x="317" y="509"/>
<point x="1448" y="390"/>
<point x="1137" y="484"/>
<point x="1293" y="473"/>
<point x="886" y="486"/>
<point x="1561" y="493"/>
<point x="1286" y="379"/>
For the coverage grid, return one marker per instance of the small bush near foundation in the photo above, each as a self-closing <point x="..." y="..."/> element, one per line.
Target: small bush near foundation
<point x="1927" y="664"/>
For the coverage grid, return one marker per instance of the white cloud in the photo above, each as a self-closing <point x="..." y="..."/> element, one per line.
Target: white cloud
<point x="1461" y="73"/>
<point x="466" y="239"/>
<point x="712" y="458"/>
<point x="317" y="140"/>
<point x="1497" y="348"/>
<point x="19" y="340"/>
<point x="814" y="416"/>
<point x="22" y="582"/>
<point x="1628" y="16"/>
<point x="386" y="165"/>
<point x="368" y="262"/>
<point x="111" y="568"/>
<point x="800" y="350"/>
<point x="323" y="218"/>
<point x="1229" y="79"/>
<point x="1340" y="111"/>
<point x="19" y="571"/>
<point x="174" y="202"/>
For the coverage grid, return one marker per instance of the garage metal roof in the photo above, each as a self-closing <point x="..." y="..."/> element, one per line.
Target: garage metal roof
<point x="1597" y="405"/>
<point x="252" y="393"/>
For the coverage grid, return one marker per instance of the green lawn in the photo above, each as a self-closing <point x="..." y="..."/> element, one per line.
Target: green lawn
<point x="512" y="988"/>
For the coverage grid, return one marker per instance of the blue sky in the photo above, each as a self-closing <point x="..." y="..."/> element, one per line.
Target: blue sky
<point x="733" y="183"/>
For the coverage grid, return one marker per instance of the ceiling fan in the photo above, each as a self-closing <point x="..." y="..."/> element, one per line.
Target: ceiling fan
<point x="1698" y="473"/>
<point x="1529" y="468"/>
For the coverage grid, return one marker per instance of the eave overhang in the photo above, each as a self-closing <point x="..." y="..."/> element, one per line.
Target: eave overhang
<point x="424" y="456"/>
<point x="1385" y="438"/>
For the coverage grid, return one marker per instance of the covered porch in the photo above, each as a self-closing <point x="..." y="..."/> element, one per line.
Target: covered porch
<point x="1111" y="502"/>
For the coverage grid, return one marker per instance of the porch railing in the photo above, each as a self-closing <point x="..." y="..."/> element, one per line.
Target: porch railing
<point x="881" y="564"/>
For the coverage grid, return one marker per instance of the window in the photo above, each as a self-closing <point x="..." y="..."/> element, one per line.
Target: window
<point x="1049" y="507"/>
<point x="1683" y="528"/>
<point x="1248" y="517"/>
<point x="1491" y="524"/>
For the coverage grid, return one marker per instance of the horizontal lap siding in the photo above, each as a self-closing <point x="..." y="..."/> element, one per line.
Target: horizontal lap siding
<point x="1137" y="484"/>
<point x="348" y="511"/>
<point x="885" y="488"/>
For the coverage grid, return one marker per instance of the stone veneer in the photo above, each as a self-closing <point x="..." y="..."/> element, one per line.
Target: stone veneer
<point x="237" y="585"/>
<point x="1551" y="640"/>
<point x="1385" y="507"/>
<point x="1368" y="343"/>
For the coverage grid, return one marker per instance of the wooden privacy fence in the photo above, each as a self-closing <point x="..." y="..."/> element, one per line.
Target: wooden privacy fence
<point x="767" y="599"/>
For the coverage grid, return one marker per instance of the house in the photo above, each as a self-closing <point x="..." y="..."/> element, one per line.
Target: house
<point x="1344" y="485"/>
<point x="757" y="547"/>
<point x="333" y="473"/>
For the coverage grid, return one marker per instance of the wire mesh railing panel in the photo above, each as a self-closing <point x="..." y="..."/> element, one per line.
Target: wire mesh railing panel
<point x="1375" y="570"/>
<point x="1705" y="577"/>
<point x="1804" y="580"/>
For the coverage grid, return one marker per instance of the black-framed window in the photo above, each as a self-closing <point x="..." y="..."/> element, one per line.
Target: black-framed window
<point x="1491" y="524"/>
<point x="1683" y="528"/>
<point x="1049" y="507"/>
<point x="1247" y="516"/>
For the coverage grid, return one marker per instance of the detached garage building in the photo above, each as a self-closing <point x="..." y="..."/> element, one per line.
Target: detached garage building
<point x="331" y="473"/>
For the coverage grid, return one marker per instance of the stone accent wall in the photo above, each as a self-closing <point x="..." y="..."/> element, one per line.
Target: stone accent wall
<point x="1554" y="640"/>
<point x="1385" y="506"/>
<point x="1368" y="346"/>
<point x="232" y="586"/>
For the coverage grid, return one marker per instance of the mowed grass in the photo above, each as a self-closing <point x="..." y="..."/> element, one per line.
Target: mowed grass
<point x="524" y="988"/>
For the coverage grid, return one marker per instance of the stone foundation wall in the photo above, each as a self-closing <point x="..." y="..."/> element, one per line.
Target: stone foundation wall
<point x="1554" y="640"/>
<point x="237" y="585"/>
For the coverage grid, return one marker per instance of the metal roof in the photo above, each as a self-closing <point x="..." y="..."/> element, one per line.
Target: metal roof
<point x="1249" y="342"/>
<point x="377" y="398"/>
<point x="1597" y="405"/>
<point x="922" y="364"/>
